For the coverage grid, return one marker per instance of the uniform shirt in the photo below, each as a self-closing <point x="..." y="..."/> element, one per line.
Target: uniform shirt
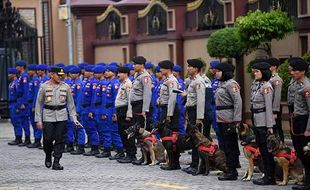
<point x="254" y="88"/>
<point x="181" y="86"/>
<point x="187" y="81"/>
<point x="22" y="89"/>
<point x="262" y="99"/>
<point x="196" y="95"/>
<point x="142" y="89"/>
<point x="34" y="82"/>
<point x="85" y="97"/>
<point x="215" y="84"/>
<point x="122" y="97"/>
<point x="94" y="94"/>
<point x="166" y="96"/>
<point x="228" y="94"/>
<point x="54" y="95"/>
<point x="36" y="89"/>
<point x="291" y="90"/>
<point x="112" y="90"/>
<point x="12" y="93"/>
<point x="76" y="87"/>
<point x="302" y="100"/>
<point x="276" y="83"/>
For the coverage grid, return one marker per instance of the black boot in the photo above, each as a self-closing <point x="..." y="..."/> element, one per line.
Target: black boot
<point x="231" y="175"/>
<point x="105" y="154"/>
<point x="69" y="148"/>
<point x="17" y="141"/>
<point x="138" y="162"/>
<point x="94" y="151"/>
<point x="26" y="142"/>
<point x="48" y="161"/>
<point x="80" y="150"/>
<point x="306" y="185"/>
<point x="56" y="165"/>
<point x="264" y="181"/>
<point x="36" y="144"/>
<point x="127" y="159"/>
<point x="120" y="154"/>
<point x="190" y="170"/>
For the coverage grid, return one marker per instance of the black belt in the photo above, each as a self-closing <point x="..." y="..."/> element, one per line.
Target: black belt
<point x="54" y="107"/>
<point x="224" y="107"/>
<point x="12" y="101"/>
<point x="85" y="105"/>
<point x="109" y="105"/>
<point x="260" y="110"/>
<point x="30" y="101"/>
<point x="164" y="106"/>
<point x="98" y="103"/>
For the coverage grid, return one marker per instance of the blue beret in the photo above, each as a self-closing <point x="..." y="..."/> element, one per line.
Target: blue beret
<point x="114" y="64"/>
<point x="99" y="69"/>
<point x="74" y="70"/>
<point x="41" y="67"/>
<point x="82" y="65"/>
<point x="149" y="65"/>
<point x="112" y="68"/>
<point x="48" y="68"/>
<point x="20" y="63"/>
<point x="157" y="69"/>
<point x="213" y="64"/>
<point x="177" y="68"/>
<point x="32" y="67"/>
<point x="68" y="67"/>
<point x="102" y="64"/>
<point x="129" y="65"/>
<point x="12" y="71"/>
<point x="89" y="68"/>
<point x="59" y="65"/>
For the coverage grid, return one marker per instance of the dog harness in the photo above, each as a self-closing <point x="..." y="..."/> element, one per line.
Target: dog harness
<point x="291" y="157"/>
<point x="211" y="150"/>
<point x="255" y="151"/>
<point x="153" y="139"/>
<point x="173" y="138"/>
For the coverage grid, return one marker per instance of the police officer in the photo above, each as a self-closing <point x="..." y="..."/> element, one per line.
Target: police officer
<point x="124" y="112"/>
<point x="13" y="107"/>
<point x="263" y="119"/>
<point x="170" y="112"/>
<point x="50" y="111"/>
<point x="155" y="94"/>
<point x="140" y="97"/>
<point x="177" y="69"/>
<point x="300" y="130"/>
<point x="276" y="82"/>
<point x="149" y="68"/>
<point x="195" y="105"/>
<point x="228" y="111"/>
<point x="22" y="99"/>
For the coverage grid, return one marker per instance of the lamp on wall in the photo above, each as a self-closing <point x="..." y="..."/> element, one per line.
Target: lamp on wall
<point x="62" y="12"/>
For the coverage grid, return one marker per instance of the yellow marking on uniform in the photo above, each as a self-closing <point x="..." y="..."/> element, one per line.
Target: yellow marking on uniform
<point x="165" y="185"/>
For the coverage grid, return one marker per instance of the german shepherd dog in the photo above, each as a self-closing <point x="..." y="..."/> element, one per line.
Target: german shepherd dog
<point x="250" y="150"/>
<point x="286" y="158"/>
<point x="173" y="142"/>
<point x="209" y="153"/>
<point x="152" y="148"/>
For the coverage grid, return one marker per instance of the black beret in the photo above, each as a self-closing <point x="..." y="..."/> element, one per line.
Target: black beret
<point x="256" y="61"/>
<point x="261" y="66"/>
<point x="166" y="64"/>
<point x="57" y="70"/>
<point x="273" y="61"/>
<point x="139" y="60"/>
<point x="123" y="70"/>
<point x="225" y="67"/>
<point x="195" y="63"/>
<point x="298" y="63"/>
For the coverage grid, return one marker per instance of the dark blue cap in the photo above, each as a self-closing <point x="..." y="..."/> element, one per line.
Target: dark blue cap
<point x="157" y="69"/>
<point x="129" y="65"/>
<point x="20" y="63"/>
<point x="32" y="67"/>
<point x="99" y="69"/>
<point x="41" y="67"/>
<point x="82" y="65"/>
<point x="113" y="63"/>
<point x="148" y="65"/>
<point x="102" y="64"/>
<point x="74" y="70"/>
<point x="48" y="68"/>
<point x="12" y="71"/>
<point x="213" y="64"/>
<point x="61" y="65"/>
<point x="68" y="67"/>
<point x="112" y="68"/>
<point x="177" y="68"/>
<point x="89" y="68"/>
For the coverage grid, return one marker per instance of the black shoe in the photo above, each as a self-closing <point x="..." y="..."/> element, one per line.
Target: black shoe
<point x="57" y="166"/>
<point x="264" y="181"/>
<point x="34" y="145"/>
<point x="105" y="154"/>
<point x="190" y="170"/>
<point x="228" y="177"/>
<point x="80" y="150"/>
<point x="87" y="145"/>
<point x="69" y="148"/>
<point x="48" y="161"/>
<point x="301" y="187"/>
<point x="117" y="156"/>
<point x="40" y="147"/>
<point x="138" y="162"/>
<point x="26" y="142"/>
<point x="15" y="142"/>
<point x="94" y="151"/>
<point x="176" y="167"/>
<point x="127" y="159"/>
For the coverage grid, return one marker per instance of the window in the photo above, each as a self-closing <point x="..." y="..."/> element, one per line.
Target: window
<point x="304" y="44"/>
<point x="124" y="25"/>
<point x="228" y="12"/>
<point x="46" y="33"/>
<point x="171" y="52"/>
<point x="171" y="19"/>
<point x="302" y="7"/>
<point x="125" y="54"/>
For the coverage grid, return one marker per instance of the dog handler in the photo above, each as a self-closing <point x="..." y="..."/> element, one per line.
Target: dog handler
<point x="51" y="114"/>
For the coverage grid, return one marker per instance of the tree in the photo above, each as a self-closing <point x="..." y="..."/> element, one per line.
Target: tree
<point x="258" y="29"/>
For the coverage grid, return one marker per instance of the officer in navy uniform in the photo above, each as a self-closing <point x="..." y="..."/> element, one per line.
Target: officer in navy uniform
<point x="149" y="68"/>
<point x="22" y="100"/>
<point x="53" y="98"/>
<point x="300" y="130"/>
<point x="263" y="119"/>
<point x="228" y="111"/>
<point x="13" y="107"/>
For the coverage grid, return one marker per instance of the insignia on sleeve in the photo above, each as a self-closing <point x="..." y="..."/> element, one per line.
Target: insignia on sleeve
<point x="25" y="80"/>
<point x="94" y="86"/>
<point x="198" y="86"/>
<point x="146" y="79"/>
<point x="35" y="83"/>
<point x="170" y="83"/>
<point x="179" y="86"/>
<point x="103" y="88"/>
<point x="78" y="86"/>
<point x="234" y="88"/>
<point x="266" y="90"/>
<point x="277" y="83"/>
<point x="307" y="92"/>
<point x="116" y="86"/>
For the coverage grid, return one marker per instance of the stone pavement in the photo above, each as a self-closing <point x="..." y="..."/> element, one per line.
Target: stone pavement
<point x="23" y="169"/>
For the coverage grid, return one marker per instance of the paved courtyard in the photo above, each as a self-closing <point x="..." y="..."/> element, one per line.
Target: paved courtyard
<point x="23" y="169"/>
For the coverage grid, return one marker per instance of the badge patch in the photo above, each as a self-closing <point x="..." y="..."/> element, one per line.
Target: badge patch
<point x="25" y="80"/>
<point x="234" y="88"/>
<point x="266" y="91"/>
<point x="49" y="98"/>
<point x="277" y="82"/>
<point x="94" y="87"/>
<point x="307" y="92"/>
<point x="180" y="86"/>
<point x="146" y="79"/>
<point x="103" y="89"/>
<point x="35" y="83"/>
<point x="116" y="86"/>
<point x="78" y="86"/>
<point x="198" y="86"/>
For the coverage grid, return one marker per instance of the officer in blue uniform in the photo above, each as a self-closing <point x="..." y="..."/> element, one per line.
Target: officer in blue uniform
<point x="177" y="69"/>
<point x="215" y="85"/>
<point x="111" y="133"/>
<point x="155" y="94"/>
<point x="13" y="107"/>
<point x="149" y="68"/>
<point x="84" y="109"/>
<point x="22" y="99"/>
<point x="76" y="87"/>
<point x="33" y="83"/>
